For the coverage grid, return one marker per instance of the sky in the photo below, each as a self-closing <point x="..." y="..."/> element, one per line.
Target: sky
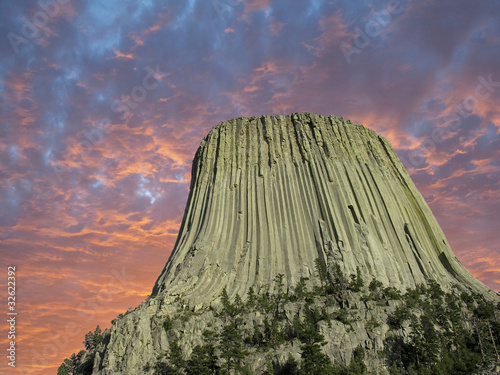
<point x="103" y="104"/>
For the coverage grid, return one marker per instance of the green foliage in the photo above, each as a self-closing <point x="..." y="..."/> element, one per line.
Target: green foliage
<point x="375" y="289"/>
<point x="280" y="297"/>
<point x="290" y="367"/>
<point x="374" y="285"/>
<point x="314" y="361"/>
<point x="484" y="310"/>
<point x="356" y="281"/>
<point x="300" y="290"/>
<point x="257" y="338"/>
<point x="265" y="303"/>
<point x="357" y="365"/>
<point x="238" y="305"/>
<point x="175" y="357"/>
<point x="163" y="368"/>
<point x="251" y="298"/>
<point x="322" y="274"/>
<point x="272" y="334"/>
<point x="434" y="290"/>
<point x="66" y="367"/>
<point x="468" y="299"/>
<point x="412" y="297"/>
<point x="372" y="323"/>
<point x="339" y="280"/>
<point x="231" y="347"/>
<point x="93" y="339"/>
<point x="450" y="333"/>
<point x="168" y="324"/>
<point x="400" y="315"/>
<point x="342" y="316"/>
<point x="71" y="365"/>
<point x="228" y="307"/>
<point x="203" y="361"/>
<point x="392" y="293"/>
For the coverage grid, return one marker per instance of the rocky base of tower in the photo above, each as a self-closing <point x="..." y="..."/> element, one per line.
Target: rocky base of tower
<point x="343" y="325"/>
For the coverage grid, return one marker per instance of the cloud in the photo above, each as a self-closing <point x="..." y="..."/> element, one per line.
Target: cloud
<point x="75" y="98"/>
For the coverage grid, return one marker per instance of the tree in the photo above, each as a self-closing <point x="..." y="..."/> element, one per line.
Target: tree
<point x="199" y="363"/>
<point x="300" y="290"/>
<point x="374" y="288"/>
<point x="163" y="368"/>
<point x="251" y="298"/>
<point x="290" y="367"/>
<point x="73" y="364"/>
<point x="168" y="324"/>
<point x="175" y="357"/>
<point x="272" y="333"/>
<point x="229" y="308"/>
<point x="257" y="336"/>
<point x="400" y="315"/>
<point x="238" y="305"/>
<point x="231" y="346"/>
<point x="281" y="296"/>
<point x="314" y="361"/>
<point x="356" y="281"/>
<point x="322" y="274"/>
<point x="211" y="339"/>
<point x="66" y="368"/>
<point x="93" y="339"/>
<point x="357" y="365"/>
<point x="340" y="284"/>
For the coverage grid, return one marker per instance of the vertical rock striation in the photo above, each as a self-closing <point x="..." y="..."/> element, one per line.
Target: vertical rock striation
<point x="269" y="195"/>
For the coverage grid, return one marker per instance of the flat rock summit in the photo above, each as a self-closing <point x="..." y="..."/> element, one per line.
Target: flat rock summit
<point x="272" y="197"/>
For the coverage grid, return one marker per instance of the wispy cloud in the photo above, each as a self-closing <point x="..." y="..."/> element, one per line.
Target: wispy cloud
<point x="74" y="96"/>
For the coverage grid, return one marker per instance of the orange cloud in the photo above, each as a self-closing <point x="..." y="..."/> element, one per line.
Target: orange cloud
<point x="120" y="55"/>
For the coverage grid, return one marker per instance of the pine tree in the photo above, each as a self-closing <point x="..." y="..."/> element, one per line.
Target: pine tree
<point x="322" y="274"/>
<point x="199" y="363"/>
<point x="281" y="296"/>
<point x="93" y="339"/>
<point x="251" y="298"/>
<point x="231" y="345"/>
<point x="314" y="361"/>
<point x="211" y="339"/>
<point x="66" y="368"/>
<point x="300" y="289"/>
<point x="291" y="367"/>
<point x="357" y="365"/>
<point x="229" y="308"/>
<point x="356" y="281"/>
<point x="175" y="357"/>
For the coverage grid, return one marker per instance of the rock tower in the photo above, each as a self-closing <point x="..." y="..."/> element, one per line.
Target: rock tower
<point x="271" y="195"/>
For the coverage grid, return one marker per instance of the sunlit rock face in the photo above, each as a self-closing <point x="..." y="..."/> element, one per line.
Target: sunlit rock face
<point x="269" y="195"/>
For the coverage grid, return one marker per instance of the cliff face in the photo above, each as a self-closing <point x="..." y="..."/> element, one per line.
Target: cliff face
<point x="269" y="196"/>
